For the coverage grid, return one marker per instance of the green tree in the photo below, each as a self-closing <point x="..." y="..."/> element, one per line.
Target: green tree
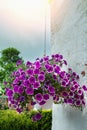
<point x="8" y="59"/>
<point x="10" y="55"/>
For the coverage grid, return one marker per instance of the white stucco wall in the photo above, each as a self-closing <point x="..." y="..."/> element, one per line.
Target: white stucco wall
<point x="69" y="37"/>
<point x="68" y="118"/>
<point x="69" y="33"/>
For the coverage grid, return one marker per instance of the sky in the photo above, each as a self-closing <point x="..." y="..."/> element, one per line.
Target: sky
<point x="22" y="25"/>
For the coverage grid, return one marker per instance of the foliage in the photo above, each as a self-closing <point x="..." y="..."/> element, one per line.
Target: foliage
<point x="11" y="120"/>
<point x="8" y="59"/>
<point x="9" y="55"/>
<point x="4" y="106"/>
<point x="3" y="102"/>
<point x="44" y="78"/>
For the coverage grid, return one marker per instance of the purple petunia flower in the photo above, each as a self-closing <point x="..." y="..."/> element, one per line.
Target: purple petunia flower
<point x="19" y="62"/>
<point x="22" y="77"/>
<point x="78" y="103"/>
<point x="34" y="118"/>
<point x="42" y="102"/>
<point x="26" y="83"/>
<point x="19" y="110"/>
<point x="83" y="102"/>
<point x="65" y="100"/>
<point x="77" y="77"/>
<point x="41" y="77"/>
<point x="30" y="71"/>
<point x="68" y="76"/>
<point x="57" y="55"/>
<point x="33" y="103"/>
<point x="82" y="97"/>
<point x="32" y="80"/>
<point x="74" y="73"/>
<point x="65" y="94"/>
<point x="54" y="65"/>
<point x="37" y="117"/>
<point x="57" y="69"/>
<point x="65" y="62"/>
<point x="46" y="96"/>
<point x="69" y="69"/>
<point x="16" y="88"/>
<point x="39" y="97"/>
<point x="12" y="102"/>
<point x="71" y="94"/>
<point x="53" y="56"/>
<point x="76" y="96"/>
<point x="20" y="90"/>
<point x="61" y="57"/>
<point x="72" y="89"/>
<point x="28" y="64"/>
<point x="29" y="91"/>
<point x="17" y="73"/>
<point x="62" y="74"/>
<point x="46" y="66"/>
<point x="67" y="82"/>
<point x="37" y="64"/>
<point x="16" y="81"/>
<point x="36" y="85"/>
<point x="56" y="98"/>
<point x="9" y="93"/>
<point x="46" y="58"/>
<point x="23" y="73"/>
<point x="10" y="98"/>
<point x="80" y="92"/>
<point x="41" y="60"/>
<point x="51" y="89"/>
<point x="63" y="83"/>
<point x="54" y="77"/>
<point x="84" y="88"/>
<point x="50" y="69"/>
<point x="70" y="101"/>
<point x="22" y="98"/>
<point x="36" y="71"/>
<point x="37" y="59"/>
<point x="42" y="72"/>
<point x="52" y="94"/>
<point x="76" y="86"/>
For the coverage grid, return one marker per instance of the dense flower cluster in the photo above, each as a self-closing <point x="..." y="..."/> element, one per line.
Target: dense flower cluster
<point x="44" y="78"/>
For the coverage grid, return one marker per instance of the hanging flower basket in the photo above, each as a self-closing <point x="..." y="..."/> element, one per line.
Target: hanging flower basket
<point x="37" y="81"/>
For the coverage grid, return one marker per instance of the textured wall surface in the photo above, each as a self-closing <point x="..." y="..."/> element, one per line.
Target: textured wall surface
<point x="69" y="33"/>
<point x="68" y="118"/>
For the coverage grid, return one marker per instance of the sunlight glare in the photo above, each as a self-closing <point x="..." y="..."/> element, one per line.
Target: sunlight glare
<point x="25" y="7"/>
<point x="23" y="15"/>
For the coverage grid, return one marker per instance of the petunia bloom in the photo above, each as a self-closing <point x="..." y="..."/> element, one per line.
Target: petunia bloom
<point x="36" y="85"/>
<point x="51" y="89"/>
<point x="29" y="91"/>
<point x="41" y="77"/>
<point x="46" y="96"/>
<point x="32" y="80"/>
<point x="37" y="117"/>
<point x="39" y="97"/>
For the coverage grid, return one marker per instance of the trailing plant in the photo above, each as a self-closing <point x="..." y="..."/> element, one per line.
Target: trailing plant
<point x="39" y="80"/>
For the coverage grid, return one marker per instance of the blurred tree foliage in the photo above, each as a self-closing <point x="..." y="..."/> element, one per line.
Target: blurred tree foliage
<point x="8" y="59"/>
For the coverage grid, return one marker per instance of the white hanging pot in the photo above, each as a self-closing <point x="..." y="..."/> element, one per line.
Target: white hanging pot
<point x="68" y="118"/>
<point x="47" y="105"/>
